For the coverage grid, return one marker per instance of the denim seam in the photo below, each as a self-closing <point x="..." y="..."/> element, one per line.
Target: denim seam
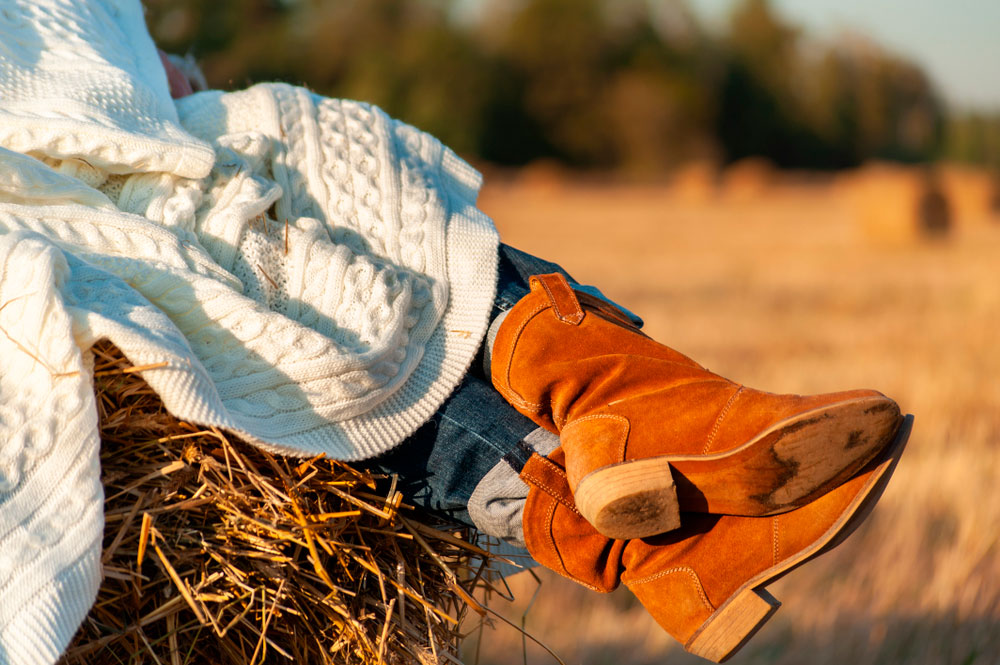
<point x="479" y="436"/>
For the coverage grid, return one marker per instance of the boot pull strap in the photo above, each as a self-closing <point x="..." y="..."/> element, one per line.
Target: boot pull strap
<point x="550" y="478"/>
<point x="564" y="302"/>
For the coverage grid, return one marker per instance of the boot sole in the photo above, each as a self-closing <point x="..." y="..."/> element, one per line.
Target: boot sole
<point x="786" y="466"/>
<point x="743" y="614"/>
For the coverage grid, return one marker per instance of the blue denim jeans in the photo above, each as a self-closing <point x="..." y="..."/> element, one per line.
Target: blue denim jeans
<point x="439" y="466"/>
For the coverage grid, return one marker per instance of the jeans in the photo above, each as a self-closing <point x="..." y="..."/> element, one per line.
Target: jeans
<point x="440" y="465"/>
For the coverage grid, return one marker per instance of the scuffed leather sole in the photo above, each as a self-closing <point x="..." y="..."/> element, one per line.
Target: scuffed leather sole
<point x="791" y="463"/>
<point x="750" y="606"/>
<point x="785" y="467"/>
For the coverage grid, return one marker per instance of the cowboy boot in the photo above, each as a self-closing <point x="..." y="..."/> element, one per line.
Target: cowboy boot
<point x="705" y="582"/>
<point x="649" y="433"/>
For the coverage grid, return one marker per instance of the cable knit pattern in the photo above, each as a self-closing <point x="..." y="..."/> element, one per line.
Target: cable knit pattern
<point x="313" y="274"/>
<point x="50" y="491"/>
<point x="82" y="80"/>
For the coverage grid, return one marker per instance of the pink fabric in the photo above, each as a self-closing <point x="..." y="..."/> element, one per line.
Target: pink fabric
<point x="179" y="85"/>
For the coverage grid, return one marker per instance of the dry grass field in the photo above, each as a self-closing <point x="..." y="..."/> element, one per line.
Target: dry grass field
<point x="780" y="289"/>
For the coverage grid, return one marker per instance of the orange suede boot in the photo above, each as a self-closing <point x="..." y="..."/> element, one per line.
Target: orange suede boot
<point x="703" y="583"/>
<point x="649" y="433"/>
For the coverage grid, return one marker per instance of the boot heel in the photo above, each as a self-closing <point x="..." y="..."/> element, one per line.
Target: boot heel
<point x="732" y="624"/>
<point x="630" y="500"/>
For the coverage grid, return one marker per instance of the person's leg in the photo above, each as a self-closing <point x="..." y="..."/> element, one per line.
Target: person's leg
<point x="441" y="465"/>
<point x="478" y="436"/>
<point x="704" y="583"/>
<point x="465" y="461"/>
<point x="649" y="433"/>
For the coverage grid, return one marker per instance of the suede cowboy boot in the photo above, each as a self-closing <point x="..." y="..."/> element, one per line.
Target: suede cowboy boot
<point x="703" y="583"/>
<point x="649" y="433"/>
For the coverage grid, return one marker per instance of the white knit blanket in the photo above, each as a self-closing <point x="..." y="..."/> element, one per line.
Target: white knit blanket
<point x="313" y="274"/>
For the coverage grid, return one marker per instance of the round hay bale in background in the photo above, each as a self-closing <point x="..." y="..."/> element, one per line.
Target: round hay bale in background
<point x="894" y="204"/>
<point x="974" y="193"/>
<point x="695" y="181"/>
<point x="543" y="175"/>
<point x="748" y="179"/>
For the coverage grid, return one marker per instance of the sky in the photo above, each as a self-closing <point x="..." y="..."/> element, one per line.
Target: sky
<point x="957" y="42"/>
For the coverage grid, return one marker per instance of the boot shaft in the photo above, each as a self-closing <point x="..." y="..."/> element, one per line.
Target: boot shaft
<point x="649" y="433"/>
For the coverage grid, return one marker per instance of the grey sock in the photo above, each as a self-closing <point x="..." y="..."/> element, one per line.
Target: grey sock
<point x="497" y="504"/>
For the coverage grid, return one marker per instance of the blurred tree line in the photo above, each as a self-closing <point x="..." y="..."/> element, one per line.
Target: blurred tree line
<point x="633" y="85"/>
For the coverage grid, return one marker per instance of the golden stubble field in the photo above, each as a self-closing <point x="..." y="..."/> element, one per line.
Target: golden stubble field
<point x="778" y="287"/>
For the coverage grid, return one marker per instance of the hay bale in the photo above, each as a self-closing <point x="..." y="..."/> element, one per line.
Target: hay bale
<point x="695" y="182"/>
<point x="748" y="179"/>
<point x="543" y="176"/>
<point x="894" y="204"/>
<point x="974" y="193"/>
<point x="218" y="552"/>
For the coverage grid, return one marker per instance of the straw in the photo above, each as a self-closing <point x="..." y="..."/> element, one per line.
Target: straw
<point x="218" y="552"/>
